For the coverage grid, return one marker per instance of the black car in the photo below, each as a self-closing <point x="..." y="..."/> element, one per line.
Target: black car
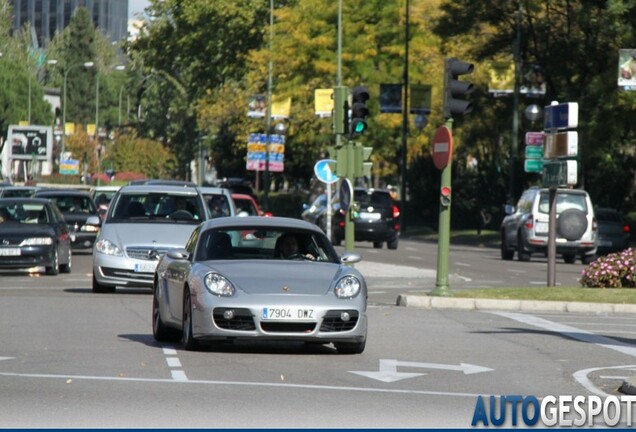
<point x="377" y="220"/>
<point x="33" y="233"/>
<point x="76" y="206"/>
<point x="613" y="232"/>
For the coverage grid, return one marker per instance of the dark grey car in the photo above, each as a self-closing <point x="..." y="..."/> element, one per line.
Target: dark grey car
<point x="613" y="232"/>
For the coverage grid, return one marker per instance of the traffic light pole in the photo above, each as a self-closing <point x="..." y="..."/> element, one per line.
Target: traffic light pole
<point x="349" y="224"/>
<point x="442" y="287"/>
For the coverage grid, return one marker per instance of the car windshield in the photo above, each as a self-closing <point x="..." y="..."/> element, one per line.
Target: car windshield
<point x="157" y="207"/>
<point x="564" y="201"/>
<point x="258" y="243"/>
<point x="219" y="205"/>
<point x="74" y="204"/>
<point x="18" y="193"/>
<point x="30" y="213"/>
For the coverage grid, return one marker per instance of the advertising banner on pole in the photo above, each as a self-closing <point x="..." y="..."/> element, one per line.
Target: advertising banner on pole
<point x="256" y="151"/>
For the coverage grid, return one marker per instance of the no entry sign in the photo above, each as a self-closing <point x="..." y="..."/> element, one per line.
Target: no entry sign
<point x="442" y="147"/>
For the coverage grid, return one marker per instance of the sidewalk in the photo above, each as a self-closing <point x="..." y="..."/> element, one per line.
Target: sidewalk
<point x="429" y="302"/>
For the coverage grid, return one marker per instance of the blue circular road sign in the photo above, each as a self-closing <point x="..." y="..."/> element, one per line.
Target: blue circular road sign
<point x="323" y="171"/>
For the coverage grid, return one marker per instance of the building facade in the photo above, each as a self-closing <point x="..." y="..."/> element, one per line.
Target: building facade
<point x="48" y="17"/>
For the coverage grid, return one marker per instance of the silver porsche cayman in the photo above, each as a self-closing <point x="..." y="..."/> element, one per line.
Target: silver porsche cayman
<point x="259" y="278"/>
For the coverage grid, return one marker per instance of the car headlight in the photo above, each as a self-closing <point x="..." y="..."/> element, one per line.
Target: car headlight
<point x="107" y="247"/>
<point x="348" y="287"/>
<point x="37" y="241"/>
<point x="89" y="228"/>
<point x="219" y="285"/>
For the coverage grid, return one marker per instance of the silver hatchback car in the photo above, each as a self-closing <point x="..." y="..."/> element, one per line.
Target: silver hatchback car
<point x="142" y="223"/>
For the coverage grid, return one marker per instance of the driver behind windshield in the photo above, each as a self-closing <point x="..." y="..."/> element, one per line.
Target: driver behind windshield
<point x="287" y="248"/>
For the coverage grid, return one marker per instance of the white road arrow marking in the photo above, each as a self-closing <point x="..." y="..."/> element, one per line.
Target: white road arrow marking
<point x="5" y="358"/>
<point x="388" y="370"/>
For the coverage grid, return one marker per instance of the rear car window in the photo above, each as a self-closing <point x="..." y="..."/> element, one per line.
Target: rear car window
<point x="564" y="201"/>
<point x="375" y="198"/>
<point x="607" y="215"/>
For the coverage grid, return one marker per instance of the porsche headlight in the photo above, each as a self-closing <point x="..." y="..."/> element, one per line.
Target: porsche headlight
<point x="107" y="247"/>
<point x="348" y="287"/>
<point x="218" y="285"/>
<point x="37" y="241"/>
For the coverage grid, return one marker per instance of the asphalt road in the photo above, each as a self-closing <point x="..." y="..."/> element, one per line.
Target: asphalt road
<point x="71" y="358"/>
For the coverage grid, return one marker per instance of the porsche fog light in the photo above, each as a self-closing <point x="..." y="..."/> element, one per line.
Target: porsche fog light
<point x="228" y="314"/>
<point x="345" y="316"/>
<point x="219" y="285"/>
<point x="347" y="287"/>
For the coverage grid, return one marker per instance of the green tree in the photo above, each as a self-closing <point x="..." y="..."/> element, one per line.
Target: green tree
<point x="157" y="161"/>
<point x="577" y="44"/>
<point x="185" y="51"/>
<point x="20" y="67"/>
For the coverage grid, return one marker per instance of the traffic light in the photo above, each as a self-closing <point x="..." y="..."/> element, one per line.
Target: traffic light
<point x="445" y="196"/>
<point x="359" y="111"/>
<point x="361" y="155"/>
<point x="454" y="88"/>
<point x="340" y="110"/>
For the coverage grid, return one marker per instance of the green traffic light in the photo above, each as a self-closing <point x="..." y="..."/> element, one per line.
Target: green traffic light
<point x="360" y="127"/>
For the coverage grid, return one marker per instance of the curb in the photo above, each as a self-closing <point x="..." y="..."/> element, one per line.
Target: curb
<point x="628" y="386"/>
<point x="430" y="302"/>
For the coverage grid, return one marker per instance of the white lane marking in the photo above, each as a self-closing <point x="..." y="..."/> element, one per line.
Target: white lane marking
<point x="173" y="362"/>
<point x="415" y="257"/>
<point x="411" y="249"/>
<point x="244" y="383"/>
<point x="463" y="264"/>
<point x="571" y="332"/>
<point x="464" y="278"/>
<point x="613" y="377"/>
<point x="178" y="375"/>
<point x="381" y="270"/>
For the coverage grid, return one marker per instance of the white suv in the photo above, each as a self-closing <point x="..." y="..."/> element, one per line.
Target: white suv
<point x="525" y="228"/>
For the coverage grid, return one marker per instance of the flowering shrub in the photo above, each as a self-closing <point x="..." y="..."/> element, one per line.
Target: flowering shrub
<point x="103" y="178"/>
<point x="617" y="270"/>
<point x="129" y="175"/>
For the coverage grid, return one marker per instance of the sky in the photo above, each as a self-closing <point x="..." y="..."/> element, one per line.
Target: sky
<point x="136" y="6"/>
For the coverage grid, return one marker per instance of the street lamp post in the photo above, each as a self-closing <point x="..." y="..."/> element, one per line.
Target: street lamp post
<point x="87" y="65"/>
<point x="268" y="120"/>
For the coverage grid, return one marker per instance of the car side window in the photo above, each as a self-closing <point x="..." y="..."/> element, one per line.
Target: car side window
<point x="525" y="202"/>
<point x="192" y="241"/>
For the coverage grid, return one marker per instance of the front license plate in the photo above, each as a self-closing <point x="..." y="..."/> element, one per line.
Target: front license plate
<point x="10" y="252"/>
<point x="287" y="314"/>
<point x="145" y="267"/>
<point x="541" y="227"/>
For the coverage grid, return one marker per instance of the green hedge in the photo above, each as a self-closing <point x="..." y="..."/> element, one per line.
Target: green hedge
<point x="285" y="204"/>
